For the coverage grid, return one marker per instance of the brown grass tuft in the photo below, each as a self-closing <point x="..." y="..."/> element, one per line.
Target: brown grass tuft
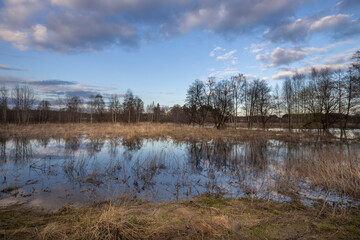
<point x="203" y="218"/>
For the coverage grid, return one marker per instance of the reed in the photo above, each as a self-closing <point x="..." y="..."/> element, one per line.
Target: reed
<point x="144" y="130"/>
<point x="330" y="169"/>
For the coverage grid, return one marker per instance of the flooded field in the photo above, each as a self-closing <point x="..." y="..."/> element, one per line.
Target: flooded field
<point x="54" y="172"/>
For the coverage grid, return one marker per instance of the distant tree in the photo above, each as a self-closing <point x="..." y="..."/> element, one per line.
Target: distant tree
<point x="176" y="113"/>
<point x="264" y="102"/>
<point x="114" y="107"/>
<point x="99" y="106"/>
<point x="44" y="109"/>
<point x="236" y="85"/>
<point x="128" y="105"/>
<point x="288" y="99"/>
<point x="328" y="101"/>
<point x="73" y="105"/>
<point x="157" y="113"/>
<point x="23" y="100"/>
<point x="277" y="101"/>
<point x="252" y="92"/>
<point x="150" y="111"/>
<point x="197" y="101"/>
<point x="222" y="105"/>
<point x="245" y="99"/>
<point x="139" y="108"/>
<point x="91" y="107"/>
<point x="4" y="103"/>
<point x="351" y="89"/>
<point x="61" y="106"/>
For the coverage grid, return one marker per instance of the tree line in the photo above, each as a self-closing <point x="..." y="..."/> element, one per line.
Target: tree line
<point x="321" y="99"/>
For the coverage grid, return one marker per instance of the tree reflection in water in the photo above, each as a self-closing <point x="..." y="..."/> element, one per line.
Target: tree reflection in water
<point x="163" y="170"/>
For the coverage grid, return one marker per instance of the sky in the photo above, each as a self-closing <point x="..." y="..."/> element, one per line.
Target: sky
<point x="157" y="48"/>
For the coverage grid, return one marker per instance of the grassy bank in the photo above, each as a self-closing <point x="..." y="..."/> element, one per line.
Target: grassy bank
<point x="143" y="130"/>
<point x="203" y="218"/>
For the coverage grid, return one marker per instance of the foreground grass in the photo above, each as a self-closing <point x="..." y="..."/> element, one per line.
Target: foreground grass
<point x="142" y="130"/>
<point x="202" y="218"/>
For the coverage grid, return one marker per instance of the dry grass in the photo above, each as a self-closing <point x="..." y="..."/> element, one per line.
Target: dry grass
<point x="203" y="218"/>
<point x="142" y="130"/>
<point x="329" y="168"/>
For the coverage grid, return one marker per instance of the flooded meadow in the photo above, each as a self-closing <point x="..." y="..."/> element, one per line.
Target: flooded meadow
<point x="50" y="173"/>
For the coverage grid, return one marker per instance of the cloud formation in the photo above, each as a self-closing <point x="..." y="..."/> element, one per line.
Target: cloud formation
<point x="227" y="56"/>
<point x="5" y="67"/>
<point x="50" y="82"/>
<point x="282" y="74"/>
<point x="53" y="88"/>
<point x="348" y="4"/>
<point x="212" y="53"/>
<point x="77" y="25"/>
<point x="282" y="56"/>
<point x="286" y="56"/>
<point x="338" y="26"/>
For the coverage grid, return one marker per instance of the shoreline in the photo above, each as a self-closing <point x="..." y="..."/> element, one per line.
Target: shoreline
<point x="209" y="217"/>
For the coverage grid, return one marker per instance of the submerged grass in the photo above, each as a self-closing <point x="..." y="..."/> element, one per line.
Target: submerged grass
<point x="141" y="130"/>
<point x="206" y="217"/>
<point x="330" y="169"/>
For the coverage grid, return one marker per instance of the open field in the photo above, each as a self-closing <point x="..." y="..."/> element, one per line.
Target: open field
<point x="270" y="177"/>
<point x="147" y="130"/>
<point x="203" y="218"/>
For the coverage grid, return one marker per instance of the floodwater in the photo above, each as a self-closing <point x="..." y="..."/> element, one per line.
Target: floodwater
<point x="54" y="172"/>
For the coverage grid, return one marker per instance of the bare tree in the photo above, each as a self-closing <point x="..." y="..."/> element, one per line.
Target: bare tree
<point x="222" y="105"/>
<point x="44" y="109"/>
<point x="114" y="107"/>
<point x="74" y="109"/>
<point x="4" y="103"/>
<point x="277" y="101"/>
<point x="61" y="105"/>
<point x="297" y="81"/>
<point x="236" y="84"/>
<point x="157" y="113"/>
<point x="288" y="99"/>
<point x="264" y="103"/>
<point x="150" y="111"/>
<point x="23" y="99"/>
<point x="128" y="105"/>
<point x="99" y="105"/>
<point x="252" y="93"/>
<point x="91" y="107"/>
<point x="196" y="100"/>
<point x="139" y="108"/>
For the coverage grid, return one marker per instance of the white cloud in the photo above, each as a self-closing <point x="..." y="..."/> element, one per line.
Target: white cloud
<point x="330" y="22"/>
<point x="338" y="26"/>
<point x="18" y="39"/>
<point x="251" y="76"/>
<point x="212" y="53"/>
<point x="40" y="33"/>
<point x="72" y="25"/>
<point x="227" y="56"/>
<point x="338" y="59"/>
<point x="225" y="73"/>
<point x="307" y="70"/>
<point x="286" y="56"/>
<point x="256" y="50"/>
<point x="282" y="56"/>
<point x="6" y="67"/>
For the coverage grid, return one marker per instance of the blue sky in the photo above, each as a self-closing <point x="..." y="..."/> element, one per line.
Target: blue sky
<point x="157" y="48"/>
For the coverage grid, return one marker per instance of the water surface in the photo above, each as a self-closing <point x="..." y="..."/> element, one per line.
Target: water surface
<point x="53" y="172"/>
